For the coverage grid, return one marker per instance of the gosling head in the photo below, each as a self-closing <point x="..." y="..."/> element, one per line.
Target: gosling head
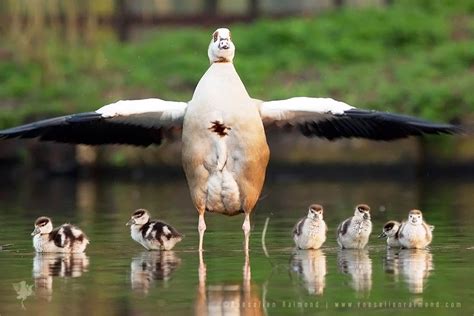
<point x="389" y="229"/>
<point x="43" y="225"/>
<point x="315" y="212"/>
<point x="362" y="211"/>
<point x="221" y="49"/>
<point x="415" y="217"/>
<point x="139" y="217"/>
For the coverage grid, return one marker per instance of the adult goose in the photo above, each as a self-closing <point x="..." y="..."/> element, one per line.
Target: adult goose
<point x="224" y="148"/>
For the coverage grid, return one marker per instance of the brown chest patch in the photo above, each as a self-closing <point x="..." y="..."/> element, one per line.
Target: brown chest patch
<point x="219" y="128"/>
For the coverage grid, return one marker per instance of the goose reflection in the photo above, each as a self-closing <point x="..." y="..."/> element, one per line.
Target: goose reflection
<point x="151" y="266"/>
<point x="227" y="299"/>
<point x="415" y="267"/>
<point x="358" y="264"/>
<point x="49" y="265"/>
<point x="310" y="265"/>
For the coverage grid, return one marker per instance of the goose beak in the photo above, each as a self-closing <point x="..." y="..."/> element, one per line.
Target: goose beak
<point x="382" y="235"/>
<point x="224" y="44"/>
<point x="35" y="232"/>
<point x="130" y="222"/>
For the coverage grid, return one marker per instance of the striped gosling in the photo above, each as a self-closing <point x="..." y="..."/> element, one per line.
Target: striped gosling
<point x="152" y="234"/>
<point x="66" y="238"/>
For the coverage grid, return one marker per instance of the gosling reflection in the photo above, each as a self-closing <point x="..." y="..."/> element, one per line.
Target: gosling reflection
<point x="227" y="299"/>
<point x="49" y="265"/>
<point x="415" y="266"/>
<point x="310" y="265"/>
<point x="151" y="266"/>
<point x="358" y="264"/>
<point x="391" y="263"/>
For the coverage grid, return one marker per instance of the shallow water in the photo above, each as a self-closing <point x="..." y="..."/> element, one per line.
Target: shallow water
<point x="116" y="275"/>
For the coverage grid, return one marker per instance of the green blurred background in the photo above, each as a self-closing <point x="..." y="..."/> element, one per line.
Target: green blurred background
<point x="413" y="57"/>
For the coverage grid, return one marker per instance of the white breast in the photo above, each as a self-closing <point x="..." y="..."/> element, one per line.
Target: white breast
<point x="217" y="165"/>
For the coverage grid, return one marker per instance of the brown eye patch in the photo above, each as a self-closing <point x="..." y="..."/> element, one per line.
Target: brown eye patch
<point x="363" y="208"/>
<point x="41" y="221"/>
<point x="138" y="213"/>
<point x="388" y="226"/>
<point x="215" y="36"/>
<point x="316" y="207"/>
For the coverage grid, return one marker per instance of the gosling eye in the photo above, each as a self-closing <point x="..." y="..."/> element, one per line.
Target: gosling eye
<point x="215" y="36"/>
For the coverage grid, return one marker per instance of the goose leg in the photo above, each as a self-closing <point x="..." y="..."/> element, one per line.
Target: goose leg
<point x="246" y="229"/>
<point x="201" y="229"/>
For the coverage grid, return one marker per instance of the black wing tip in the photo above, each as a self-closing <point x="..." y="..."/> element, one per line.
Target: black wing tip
<point x="375" y="125"/>
<point x="87" y="128"/>
<point x="33" y="130"/>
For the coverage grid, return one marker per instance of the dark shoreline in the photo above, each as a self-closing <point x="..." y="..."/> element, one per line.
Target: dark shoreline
<point x="275" y="172"/>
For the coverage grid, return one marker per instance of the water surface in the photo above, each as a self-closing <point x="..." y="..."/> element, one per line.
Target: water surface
<point x="117" y="276"/>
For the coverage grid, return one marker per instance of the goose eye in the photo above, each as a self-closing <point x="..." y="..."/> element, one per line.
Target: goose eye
<point x="215" y="36"/>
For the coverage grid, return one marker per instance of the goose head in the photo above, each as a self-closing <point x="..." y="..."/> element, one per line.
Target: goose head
<point x="221" y="49"/>
<point x="415" y="217"/>
<point x="315" y="212"/>
<point x="390" y="229"/>
<point x="139" y="217"/>
<point x="43" y="225"/>
<point x="362" y="212"/>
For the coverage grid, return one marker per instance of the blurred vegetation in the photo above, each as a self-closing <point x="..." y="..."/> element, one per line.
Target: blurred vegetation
<point x="415" y="57"/>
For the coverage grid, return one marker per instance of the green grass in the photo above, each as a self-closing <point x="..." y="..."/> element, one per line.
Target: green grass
<point x="416" y="57"/>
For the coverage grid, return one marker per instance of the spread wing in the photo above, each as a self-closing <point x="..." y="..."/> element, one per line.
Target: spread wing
<point x="331" y="119"/>
<point x="135" y="122"/>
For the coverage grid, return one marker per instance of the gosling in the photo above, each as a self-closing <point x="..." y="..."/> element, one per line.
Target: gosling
<point x="310" y="231"/>
<point x="390" y="230"/>
<point x="415" y="233"/>
<point x="354" y="232"/>
<point x="66" y="238"/>
<point x="152" y="234"/>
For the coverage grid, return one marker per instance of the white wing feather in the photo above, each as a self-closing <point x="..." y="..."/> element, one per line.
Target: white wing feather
<point x="298" y="109"/>
<point x="145" y="112"/>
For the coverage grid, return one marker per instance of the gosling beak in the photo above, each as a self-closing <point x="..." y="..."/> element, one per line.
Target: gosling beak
<point x="382" y="235"/>
<point x="36" y="231"/>
<point x="130" y="222"/>
<point x="366" y="216"/>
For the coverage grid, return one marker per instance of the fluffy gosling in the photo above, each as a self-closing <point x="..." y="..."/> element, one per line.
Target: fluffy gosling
<point x="415" y="232"/>
<point x="390" y="230"/>
<point x="152" y="234"/>
<point x="354" y="232"/>
<point x="66" y="238"/>
<point x="310" y="231"/>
